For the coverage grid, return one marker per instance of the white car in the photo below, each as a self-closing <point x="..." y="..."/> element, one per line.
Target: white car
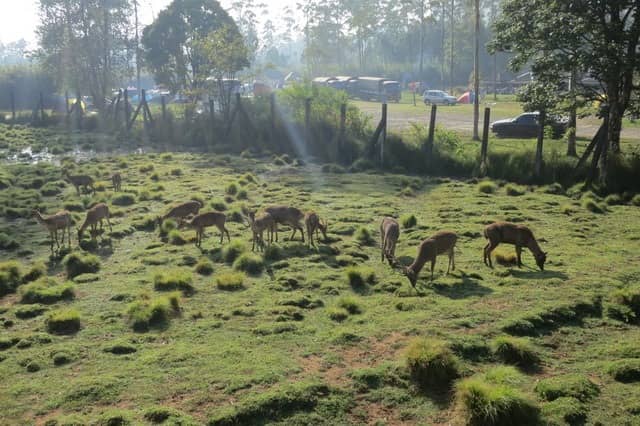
<point x="438" y="97"/>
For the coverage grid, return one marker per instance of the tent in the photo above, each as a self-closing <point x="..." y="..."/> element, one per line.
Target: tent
<point x="465" y="98"/>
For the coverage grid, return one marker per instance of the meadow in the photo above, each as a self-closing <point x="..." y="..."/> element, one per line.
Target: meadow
<point x="142" y="327"/>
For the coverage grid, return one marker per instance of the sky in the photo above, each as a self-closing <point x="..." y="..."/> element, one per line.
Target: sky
<point x="19" y="18"/>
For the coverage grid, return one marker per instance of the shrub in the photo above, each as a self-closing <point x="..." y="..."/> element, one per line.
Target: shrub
<point x="63" y="321"/>
<point x="592" y="205"/>
<point x="514" y="350"/>
<point x="249" y="263"/>
<point x="30" y="311"/>
<point x="37" y="270"/>
<point x="123" y="199"/>
<point x="636" y="200"/>
<point x="514" y="190"/>
<point x="146" y="168"/>
<point x="487" y="187"/>
<point x="337" y="314"/>
<point x="567" y="209"/>
<point x="613" y="200"/>
<point x="176" y="172"/>
<point x="168" y="226"/>
<point x="625" y="305"/>
<point x="77" y="263"/>
<point x="554" y="188"/>
<point x="61" y="358"/>
<point x="204" y="266"/>
<point x="358" y="276"/>
<point x="170" y="415"/>
<point x="272" y="252"/>
<point x="233" y="250"/>
<point x="145" y="313"/>
<point x="175" y="237"/>
<point x="218" y="205"/>
<point x="484" y="404"/>
<point x="242" y="195"/>
<point x="47" y="291"/>
<point x="505" y="259"/>
<point x="624" y="370"/>
<point x="571" y="385"/>
<point x="408" y="221"/>
<point x="230" y="281"/>
<point x="174" y="279"/>
<point x="10" y="277"/>
<point x="232" y="189"/>
<point x="350" y="304"/>
<point x="431" y="362"/>
<point x="363" y="236"/>
<point x="7" y="243"/>
<point x="563" y="411"/>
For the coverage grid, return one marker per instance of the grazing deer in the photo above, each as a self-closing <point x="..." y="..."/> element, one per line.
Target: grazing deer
<point x="289" y="216"/>
<point x="53" y="223"/>
<point x="181" y="211"/>
<point x="204" y="220"/>
<point x="258" y="225"/>
<point x="313" y="224"/>
<point x="116" y="180"/>
<point x="510" y="233"/>
<point x="80" y="180"/>
<point x="389" y="232"/>
<point x="440" y="243"/>
<point x="95" y="215"/>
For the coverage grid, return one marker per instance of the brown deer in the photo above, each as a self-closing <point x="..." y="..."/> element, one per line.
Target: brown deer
<point x="204" y="220"/>
<point x="53" y="223"/>
<point x="510" y="233"/>
<point x="258" y="225"/>
<point x="95" y="215"/>
<point x="440" y="243"/>
<point x="289" y="216"/>
<point x="181" y="211"/>
<point x="116" y="180"/>
<point x="389" y="233"/>
<point x="313" y="224"/>
<point x="79" y="181"/>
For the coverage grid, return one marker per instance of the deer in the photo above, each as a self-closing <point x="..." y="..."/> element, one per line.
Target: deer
<point x="290" y="216"/>
<point x="204" y="220"/>
<point x="95" y="215"/>
<point x="53" y="223"/>
<point x="518" y="235"/>
<point x="258" y="225"/>
<point x="440" y="243"/>
<point x="181" y="211"/>
<point x="80" y="180"/>
<point x="389" y="232"/>
<point x="116" y="180"/>
<point x="313" y="223"/>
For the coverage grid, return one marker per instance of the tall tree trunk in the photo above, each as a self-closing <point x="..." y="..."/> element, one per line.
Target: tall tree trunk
<point x="451" y="47"/>
<point x="476" y="72"/>
<point x="135" y="9"/>
<point x="422" y="12"/>
<point x="571" y="139"/>
<point x="615" y="124"/>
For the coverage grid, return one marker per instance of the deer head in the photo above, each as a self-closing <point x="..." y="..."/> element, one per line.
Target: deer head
<point x="541" y="259"/>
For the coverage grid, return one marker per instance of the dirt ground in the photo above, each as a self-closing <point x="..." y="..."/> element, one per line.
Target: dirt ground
<point x="460" y="118"/>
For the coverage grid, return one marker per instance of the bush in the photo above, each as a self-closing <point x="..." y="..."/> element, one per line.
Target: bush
<point x="242" y="195"/>
<point x="77" y="263"/>
<point x="505" y="259"/>
<point x="636" y="200"/>
<point x="514" y="350"/>
<point x="625" y="305"/>
<point x="175" y="279"/>
<point x="175" y="237"/>
<point x="204" y="266"/>
<point x="358" y="276"/>
<point x="47" y="291"/>
<point x="554" y="188"/>
<point x="30" y="311"/>
<point x="249" y="263"/>
<point x="233" y="250"/>
<point x="63" y="321"/>
<point x="431" y="363"/>
<point x="571" y="385"/>
<point x="176" y="172"/>
<point x="123" y="199"/>
<point x="593" y="205"/>
<point x="613" y="200"/>
<point x="350" y="304"/>
<point x="232" y="189"/>
<point x="146" y="313"/>
<point x="514" y="190"/>
<point x="168" y="226"/>
<point x="337" y="314"/>
<point x="218" y="205"/>
<point x="8" y="243"/>
<point x="624" y="370"/>
<point x="272" y="252"/>
<point x="230" y="281"/>
<point x="37" y="270"/>
<point x="487" y="187"/>
<point x="10" y="277"/>
<point x="408" y="221"/>
<point x="485" y="404"/>
<point x="363" y="236"/>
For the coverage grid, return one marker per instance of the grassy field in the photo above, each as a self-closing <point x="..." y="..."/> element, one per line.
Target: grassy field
<point x="153" y="329"/>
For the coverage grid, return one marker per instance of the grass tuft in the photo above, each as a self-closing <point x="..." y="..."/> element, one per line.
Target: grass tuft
<point x="564" y="411"/>
<point x="250" y="263"/>
<point x="230" y="281"/>
<point x="123" y="199"/>
<point x="515" y="350"/>
<point x="337" y="314"/>
<point x="357" y="277"/>
<point x="77" y="263"/>
<point x="571" y="385"/>
<point x="514" y="190"/>
<point x="174" y="279"/>
<point x="363" y="236"/>
<point x="47" y="291"/>
<point x="487" y="187"/>
<point x="204" y="266"/>
<point x="624" y="370"/>
<point x="145" y="313"/>
<point x="233" y="250"/>
<point x="10" y="277"/>
<point x="63" y="321"/>
<point x="350" y="304"/>
<point x="431" y="363"/>
<point x="408" y="221"/>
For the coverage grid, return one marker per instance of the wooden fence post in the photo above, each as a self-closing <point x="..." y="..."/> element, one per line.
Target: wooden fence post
<point x="127" y="113"/>
<point x="67" y="112"/>
<point x="342" y="129"/>
<point x="538" y="165"/>
<point x="384" y="133"/>
<point x="13" y="106"/>
<point x="430" y="135"/>
<point x="307" y="120"/>
<point x="79" y="110"/>
<point x="272" y="108"/>
<point x="212" y="117"/>
<point x="41" y="108"/>
<point x="485" y="141"/>
<point x="164" y="108"/>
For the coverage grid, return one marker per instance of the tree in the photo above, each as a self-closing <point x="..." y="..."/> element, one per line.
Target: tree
<point x="597" y="40"/>
<point x="476" y="70"/>
<point x="173" y="43"/>
<point x="85" y="44"/>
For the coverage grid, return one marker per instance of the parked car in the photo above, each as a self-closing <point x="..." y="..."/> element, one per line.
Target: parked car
<point x="438" y="97"/>
<point x="526" y="126"/>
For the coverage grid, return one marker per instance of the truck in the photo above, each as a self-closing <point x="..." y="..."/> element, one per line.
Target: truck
<point x="377" y="89"/>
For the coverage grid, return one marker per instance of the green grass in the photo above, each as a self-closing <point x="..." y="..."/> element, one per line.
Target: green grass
<point x="431" y="363"/>
<point x="174" y="279"/>
<point x="64" y="321"/>
<point x="77" y="263"/>
<point x="514" y="350"/>
<point x="250" y="263"/>
<point x="240" y="345"/>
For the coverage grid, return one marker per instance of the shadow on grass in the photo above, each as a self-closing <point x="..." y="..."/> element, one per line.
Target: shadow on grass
<point x="466" y="287"/>
<point x="535" y="274"/>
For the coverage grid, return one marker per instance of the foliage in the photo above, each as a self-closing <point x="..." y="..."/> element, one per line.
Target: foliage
<point x="230" y="281"/>
<point x="204" y="266"/>
<point x="576" y="386"/>
<point x="408" y="221"/>
<point x="63" y="321"/>
<point x="515" y="350"/>
<point x="10" y="277"/>
<point x="77" y="263"/>
<point x="174" y="279"/>
<point x="46" y="290"/>
<point x="431" y="363"/>
<point x="250" y="263"/>
<point x="145" y="313"/>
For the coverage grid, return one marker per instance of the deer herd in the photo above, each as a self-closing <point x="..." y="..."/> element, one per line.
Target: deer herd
<point x="188" y="213"/>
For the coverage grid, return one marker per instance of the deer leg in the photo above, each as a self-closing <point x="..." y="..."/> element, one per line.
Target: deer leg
<point x="382" y="249"/>
<point x="109" y="223"/>
<point x="519" y="256"/>
<point x="226" y="232"/>
<point x="433" y="265"/>
<point x="490" y="247"/>
<point x="293" y="234"/>
<point x="302" y="232"/>
<point x="453" y="260"/>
